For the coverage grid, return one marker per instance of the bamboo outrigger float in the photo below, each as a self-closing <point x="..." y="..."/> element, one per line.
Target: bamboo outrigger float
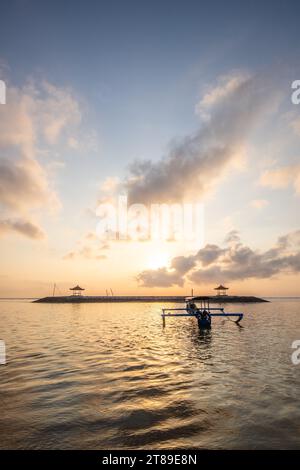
<point x="203" y="312"/>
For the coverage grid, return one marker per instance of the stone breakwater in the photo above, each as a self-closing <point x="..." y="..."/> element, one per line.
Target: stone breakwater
<point x="145" y="298"/>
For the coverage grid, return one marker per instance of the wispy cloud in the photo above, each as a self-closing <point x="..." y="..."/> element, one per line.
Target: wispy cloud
<point x="282" y="177"/>
<point x="259" y="203"/>
<point x="226" y="86"/>
<point x="90" y="247"/>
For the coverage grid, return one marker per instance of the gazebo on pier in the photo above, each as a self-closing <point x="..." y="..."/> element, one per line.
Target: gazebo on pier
<point x="77" y="290"/>
<point x="221" y="290"/>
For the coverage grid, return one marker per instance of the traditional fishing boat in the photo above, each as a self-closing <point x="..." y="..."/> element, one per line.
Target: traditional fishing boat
<point x="203" y="312"/>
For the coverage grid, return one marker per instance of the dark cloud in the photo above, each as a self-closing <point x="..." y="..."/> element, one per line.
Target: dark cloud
<point x="289" y="240"/>
<point x="232" y="237"/>
<point x="23" y="227"/>
<point x="183" y="264"/>
<point x="160" y="278"/>
<point x="196" y="162"/>
<point x="209" y="254"/>
<point x="234" y="262"/>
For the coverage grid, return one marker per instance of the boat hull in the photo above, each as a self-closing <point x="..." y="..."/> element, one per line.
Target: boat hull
<point x="204" y="323"/>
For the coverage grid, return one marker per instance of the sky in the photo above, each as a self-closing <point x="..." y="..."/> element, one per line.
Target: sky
<point x="160" y="103"/>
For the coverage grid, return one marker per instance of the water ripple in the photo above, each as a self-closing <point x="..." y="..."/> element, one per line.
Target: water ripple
<point x="110" y="376"/>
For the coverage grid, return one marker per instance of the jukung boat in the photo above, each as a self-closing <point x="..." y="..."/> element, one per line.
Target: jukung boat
<point x="202" y="312"/>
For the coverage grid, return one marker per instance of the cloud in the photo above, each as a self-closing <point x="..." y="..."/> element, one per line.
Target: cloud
<point x="89" y="247"/>
<point x="259" y="203"/>
<point x="23" y="227"/>
<point x="232" y="237"/>
<point x="227" y="84"/>
<point x="183" y="264"/>
<point x="110" y="184"/>
<point x="159" y="278"/>
<point x="24" y="184"/>
<point x="194" y="164"/>
<point x="58" y="112"/>
<point x="233" y="262"/>
<point x="86" y="252"/>
<point x="34" y="120"/>
<point x="209" y="254"/>
<point x="295" y="124"/>
<point x="280" y="178"/>
<point x="289" y="240"/>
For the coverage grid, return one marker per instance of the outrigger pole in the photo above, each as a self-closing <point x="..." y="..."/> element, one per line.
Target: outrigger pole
<point x="203" y="313"/>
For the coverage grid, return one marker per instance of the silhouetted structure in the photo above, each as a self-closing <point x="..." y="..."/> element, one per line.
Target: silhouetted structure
<point x="221" y="290"/>
<point x="77" y="290"/>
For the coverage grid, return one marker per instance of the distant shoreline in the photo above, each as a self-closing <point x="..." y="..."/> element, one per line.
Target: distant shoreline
<point x="145" y="298"/>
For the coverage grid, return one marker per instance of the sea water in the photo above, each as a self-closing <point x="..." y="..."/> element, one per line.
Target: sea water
<point x="110" y="376"/>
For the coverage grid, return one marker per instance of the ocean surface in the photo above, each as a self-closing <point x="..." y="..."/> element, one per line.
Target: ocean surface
<point x="109" y="376"/>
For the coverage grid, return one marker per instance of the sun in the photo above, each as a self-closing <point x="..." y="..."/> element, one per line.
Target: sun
<point x="157" y="259"/>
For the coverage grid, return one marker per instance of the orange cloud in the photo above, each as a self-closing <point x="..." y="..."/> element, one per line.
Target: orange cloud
<point x="283" y="177"/>
<point x="259" y="203"/>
